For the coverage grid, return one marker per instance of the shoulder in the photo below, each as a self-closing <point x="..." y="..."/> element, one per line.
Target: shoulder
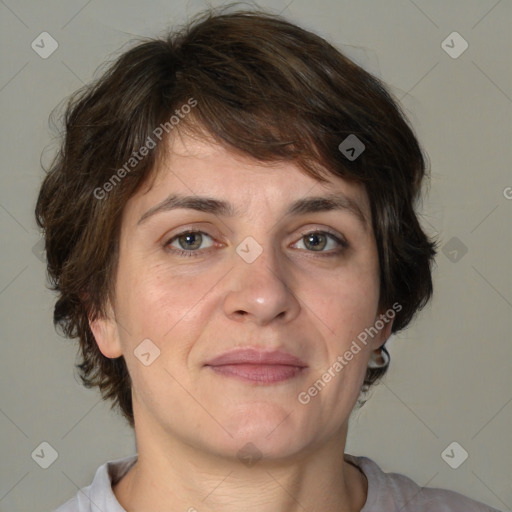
<point x="393" y="491"/>
<point x="100" y="493"/>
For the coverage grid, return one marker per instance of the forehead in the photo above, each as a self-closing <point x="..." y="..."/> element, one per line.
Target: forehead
<point x="191" y="166"/>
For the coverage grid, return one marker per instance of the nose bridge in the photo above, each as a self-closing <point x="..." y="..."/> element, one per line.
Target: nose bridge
<point x="260" y="258"/>
<point x="258" y="265"/>
<point x="259" y="285"/>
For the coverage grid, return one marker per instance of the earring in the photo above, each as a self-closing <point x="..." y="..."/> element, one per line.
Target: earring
<point x="379" y="358"/>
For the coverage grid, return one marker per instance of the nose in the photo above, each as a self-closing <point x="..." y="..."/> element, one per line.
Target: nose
<point x="261" y="291"/>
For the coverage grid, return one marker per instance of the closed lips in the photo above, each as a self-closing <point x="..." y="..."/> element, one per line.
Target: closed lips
<point x="256" y="357"/>
<point x="258" y="367"/>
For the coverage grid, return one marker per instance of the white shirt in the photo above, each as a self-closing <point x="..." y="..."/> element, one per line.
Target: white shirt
<point x="387" y="492"/>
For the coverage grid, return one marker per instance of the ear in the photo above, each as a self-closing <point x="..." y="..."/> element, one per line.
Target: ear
<point x="106" y="334"/>
<point x="384" y="322"/>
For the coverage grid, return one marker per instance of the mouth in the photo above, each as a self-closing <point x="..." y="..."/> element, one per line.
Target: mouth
<point x="257" y="366"/>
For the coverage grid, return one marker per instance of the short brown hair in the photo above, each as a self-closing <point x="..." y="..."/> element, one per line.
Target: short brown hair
<point x="263" y="87"/>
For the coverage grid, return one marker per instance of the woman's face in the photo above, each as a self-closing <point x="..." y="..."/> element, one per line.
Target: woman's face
<point x="253" y="276"/>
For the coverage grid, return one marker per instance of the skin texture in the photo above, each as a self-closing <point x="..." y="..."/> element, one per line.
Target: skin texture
<point x="191" y="422"/>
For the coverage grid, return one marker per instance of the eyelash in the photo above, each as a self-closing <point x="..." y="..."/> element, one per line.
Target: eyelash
<point x="194" y="253"/>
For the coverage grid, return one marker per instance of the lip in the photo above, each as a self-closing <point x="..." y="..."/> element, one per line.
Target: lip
<point x="261" y="367"/>
<point x="256" y="357"/>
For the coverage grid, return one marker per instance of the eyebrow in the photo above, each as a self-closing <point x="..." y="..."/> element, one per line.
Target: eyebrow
<point x="303" y="206"/>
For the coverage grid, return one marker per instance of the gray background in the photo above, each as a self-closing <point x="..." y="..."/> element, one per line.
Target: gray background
<point x="450" y="377"/>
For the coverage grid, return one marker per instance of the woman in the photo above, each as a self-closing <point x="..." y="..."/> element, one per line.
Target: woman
<point x="231" y="229"/>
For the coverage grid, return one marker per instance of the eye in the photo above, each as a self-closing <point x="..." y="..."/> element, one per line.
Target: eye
<point x="188" y="242"/>
<point x="192" y="243"/>
<point x="318" y="241"/>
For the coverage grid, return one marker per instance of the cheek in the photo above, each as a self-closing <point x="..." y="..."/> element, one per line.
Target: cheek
<point x="155" y="306"/>
<point x="157" y="303"/>
<point x="347" y="302"/>
<point x="348" y="308"/>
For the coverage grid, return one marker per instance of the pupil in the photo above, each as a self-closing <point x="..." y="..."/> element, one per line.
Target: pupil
<point x="314" y="241"/>
<point x="190" y="238"/>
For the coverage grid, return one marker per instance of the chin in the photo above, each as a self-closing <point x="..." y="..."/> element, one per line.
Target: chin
<point x="268" y="427"/>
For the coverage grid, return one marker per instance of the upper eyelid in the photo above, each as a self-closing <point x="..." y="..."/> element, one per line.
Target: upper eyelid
<point x="339" y="239"/>
<point x="327" y="231"/>
<point x="169" y="239"/>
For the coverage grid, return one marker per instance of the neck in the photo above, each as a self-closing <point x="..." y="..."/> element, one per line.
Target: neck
<point x="172" y="476"/>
